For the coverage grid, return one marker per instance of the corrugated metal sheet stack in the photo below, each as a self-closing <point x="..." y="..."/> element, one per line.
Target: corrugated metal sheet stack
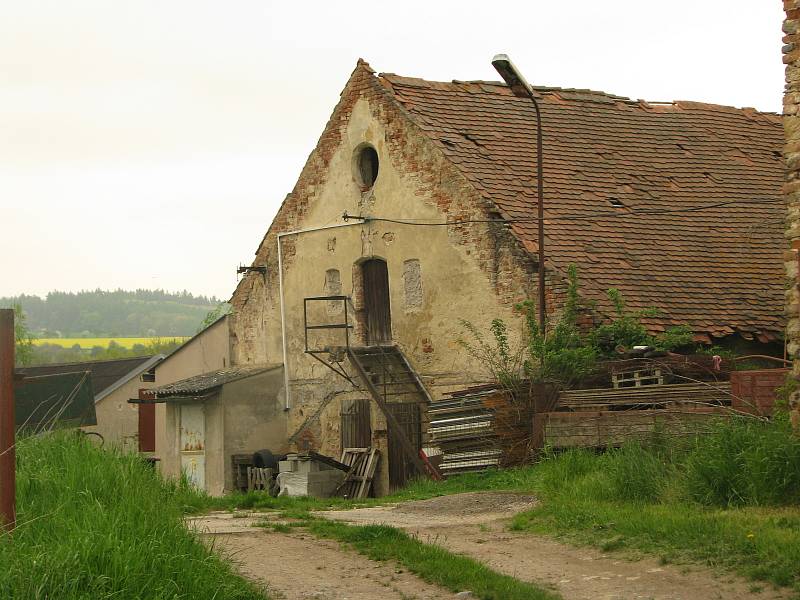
<point x="474" y="429"/>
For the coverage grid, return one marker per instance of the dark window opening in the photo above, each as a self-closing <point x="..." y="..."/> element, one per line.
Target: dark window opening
<point x="616" y="203"/>
<point x="367" y="166"/>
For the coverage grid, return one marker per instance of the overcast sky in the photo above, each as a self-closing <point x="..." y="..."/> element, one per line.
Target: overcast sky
<point x="148" y="144"/>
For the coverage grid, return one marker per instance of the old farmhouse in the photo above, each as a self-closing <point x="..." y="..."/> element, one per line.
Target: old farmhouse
<point x="417" y="210"/>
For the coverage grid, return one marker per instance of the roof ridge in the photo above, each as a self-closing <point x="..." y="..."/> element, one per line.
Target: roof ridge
<point x="679" y="104"/>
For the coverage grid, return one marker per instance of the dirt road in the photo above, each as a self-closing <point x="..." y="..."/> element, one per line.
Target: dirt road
<point x="475" y="524"/>
<point x="298" y="566"/>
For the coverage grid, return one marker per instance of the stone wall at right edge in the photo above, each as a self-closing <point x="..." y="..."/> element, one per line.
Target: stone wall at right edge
<point x="791" y="153"/>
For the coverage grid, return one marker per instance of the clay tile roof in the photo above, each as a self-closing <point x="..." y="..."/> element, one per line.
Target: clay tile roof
<point x="612" y="165"/>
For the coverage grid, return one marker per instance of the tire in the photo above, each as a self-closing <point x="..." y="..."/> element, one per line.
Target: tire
<point x="264" y="459"/>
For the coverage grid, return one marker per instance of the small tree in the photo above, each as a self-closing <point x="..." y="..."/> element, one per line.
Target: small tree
<point x="24" y="348"/>
<point x="560" y="354"/>
<point x="503" y="362"/>
<point x="557" y="355"/>
<point x="223" y="308"/>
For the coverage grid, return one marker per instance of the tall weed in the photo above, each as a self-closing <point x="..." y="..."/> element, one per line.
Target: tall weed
<point x="745" y="462"/>
<point x="636" y="473"/>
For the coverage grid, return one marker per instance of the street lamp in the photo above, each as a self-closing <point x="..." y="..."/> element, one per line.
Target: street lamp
<point x="522" y="89"/>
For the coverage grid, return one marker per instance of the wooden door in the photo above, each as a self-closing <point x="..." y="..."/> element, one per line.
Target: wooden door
<point x="193" y="443"/>
<point x="147" y="425"/>
<point x="376" y="301"/>
<point x="355" y="424"/>
<point x="401" y="469"/>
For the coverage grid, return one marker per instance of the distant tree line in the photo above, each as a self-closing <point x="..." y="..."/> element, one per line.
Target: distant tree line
<point x="118" y="313"/>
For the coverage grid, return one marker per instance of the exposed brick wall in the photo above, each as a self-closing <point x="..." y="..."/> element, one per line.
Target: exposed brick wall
<point x="791" y="123"/>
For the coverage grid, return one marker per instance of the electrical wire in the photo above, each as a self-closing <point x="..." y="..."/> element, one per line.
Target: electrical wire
<point x="586" y="216"/>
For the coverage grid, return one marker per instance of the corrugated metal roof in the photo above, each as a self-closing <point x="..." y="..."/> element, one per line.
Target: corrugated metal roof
<point x="206" y="382"/>
<point x="58" y="399"/>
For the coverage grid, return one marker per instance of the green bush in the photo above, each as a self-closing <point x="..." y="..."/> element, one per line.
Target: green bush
<point x="737" y="462"/>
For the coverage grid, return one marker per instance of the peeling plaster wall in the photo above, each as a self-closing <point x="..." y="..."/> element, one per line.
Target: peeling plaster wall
<point x="254" y="418"/>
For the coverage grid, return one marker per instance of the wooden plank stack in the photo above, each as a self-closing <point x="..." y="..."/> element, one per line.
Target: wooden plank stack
<point x="608" y="417"/>
<point x="653" y="396"/>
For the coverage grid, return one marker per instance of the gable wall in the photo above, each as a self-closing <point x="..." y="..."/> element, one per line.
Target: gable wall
<point x="475" y="271"/>
<point x="117" y="420"/>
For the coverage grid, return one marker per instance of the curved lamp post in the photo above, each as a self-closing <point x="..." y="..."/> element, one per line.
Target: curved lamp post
<point x="522" y="89"/>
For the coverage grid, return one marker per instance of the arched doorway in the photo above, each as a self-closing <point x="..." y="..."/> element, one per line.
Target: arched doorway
<point x="375" y="276"/>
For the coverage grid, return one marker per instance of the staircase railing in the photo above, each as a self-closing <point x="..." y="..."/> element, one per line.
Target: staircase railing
<point x="395" y="431"/>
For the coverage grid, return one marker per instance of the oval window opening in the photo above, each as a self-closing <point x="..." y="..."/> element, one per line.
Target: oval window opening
<point x="367" y="166"/>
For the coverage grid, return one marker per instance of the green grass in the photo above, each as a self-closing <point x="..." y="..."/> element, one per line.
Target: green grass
<point x="102" y="525"/>
<point x="759" y="543"/>
<point x="728" y="498"/>
<point x="432" y="563"/>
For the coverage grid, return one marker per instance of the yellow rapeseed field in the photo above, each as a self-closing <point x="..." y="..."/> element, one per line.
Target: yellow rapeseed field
<point x="125" y="342"/>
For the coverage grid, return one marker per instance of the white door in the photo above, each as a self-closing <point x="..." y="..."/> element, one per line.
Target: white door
<point x="193" y="444"/>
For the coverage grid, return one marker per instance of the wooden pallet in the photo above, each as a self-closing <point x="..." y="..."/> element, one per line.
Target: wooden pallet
<point x="362" y="463"/>
<point x="240" y="463"/>
<point x="637" y="377"/>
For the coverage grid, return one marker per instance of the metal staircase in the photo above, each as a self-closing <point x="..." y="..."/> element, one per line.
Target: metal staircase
<point x="382" y="369"/>
<point x="390" y="373"/>
<point x="386" y="373"/>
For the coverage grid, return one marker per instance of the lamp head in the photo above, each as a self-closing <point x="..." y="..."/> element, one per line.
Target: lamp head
<point x="511" y="75"/>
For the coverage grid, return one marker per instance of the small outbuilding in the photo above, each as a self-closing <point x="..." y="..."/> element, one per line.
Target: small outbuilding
<point x="212" y="417"/>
